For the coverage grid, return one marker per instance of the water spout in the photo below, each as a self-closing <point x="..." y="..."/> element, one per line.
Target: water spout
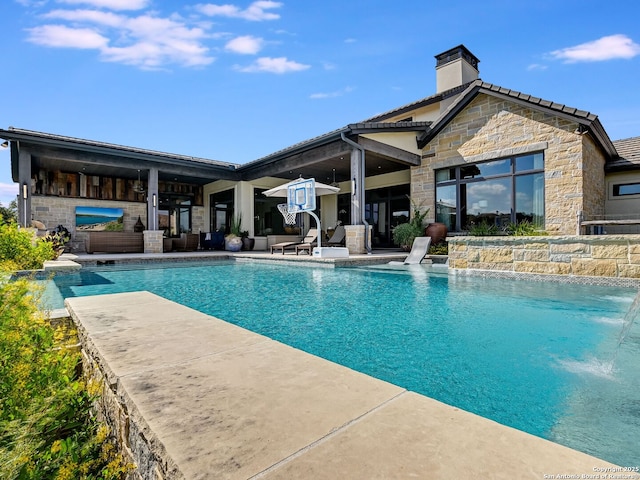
<point x="629" y="319"/>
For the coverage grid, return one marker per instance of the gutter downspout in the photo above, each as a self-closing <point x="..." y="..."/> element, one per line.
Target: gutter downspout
<point x="367" y="246"/>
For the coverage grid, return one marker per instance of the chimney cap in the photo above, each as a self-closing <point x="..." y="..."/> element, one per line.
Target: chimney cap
<point x="455" y="53"/>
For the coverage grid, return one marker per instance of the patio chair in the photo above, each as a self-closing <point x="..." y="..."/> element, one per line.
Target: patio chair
<point x="305" y="247"/>
<point x="338" y="236"/>
<point x="311" y="237"/>
<point x="418" y="251"/>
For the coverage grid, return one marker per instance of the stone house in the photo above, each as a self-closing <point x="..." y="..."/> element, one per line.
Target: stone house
<point x="473" y="152"/>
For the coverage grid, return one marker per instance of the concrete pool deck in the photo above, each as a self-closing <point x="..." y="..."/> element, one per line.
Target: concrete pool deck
<point x="202" y="398"/>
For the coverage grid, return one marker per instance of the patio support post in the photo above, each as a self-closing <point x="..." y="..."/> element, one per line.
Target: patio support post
<point x="357" y="188"/>
<point x="24" y="195"/>
<point x="153" y="200"/>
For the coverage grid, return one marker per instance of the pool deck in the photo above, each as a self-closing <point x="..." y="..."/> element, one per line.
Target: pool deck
<point x="375" y="258"/>
<point x="209" y="399"/>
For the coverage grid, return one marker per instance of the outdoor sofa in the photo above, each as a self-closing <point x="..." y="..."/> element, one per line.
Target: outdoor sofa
<point x="114" y="242"/>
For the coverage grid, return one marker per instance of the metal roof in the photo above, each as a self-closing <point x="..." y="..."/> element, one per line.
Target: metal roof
<point x="19" y="134"/>
<point x="629" y="155"/>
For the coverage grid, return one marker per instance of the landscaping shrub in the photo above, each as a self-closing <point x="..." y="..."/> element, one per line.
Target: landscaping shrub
<point x="20" y="249"/>
<point x="47" y="430"/>
<point x="524" y="229"/>
<point x="483" y="229"/>
<point x="441" y="248"/>
<point x="10" y="213"/>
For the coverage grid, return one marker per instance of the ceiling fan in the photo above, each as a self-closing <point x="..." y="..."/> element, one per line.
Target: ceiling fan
<point x="137" y="186"/>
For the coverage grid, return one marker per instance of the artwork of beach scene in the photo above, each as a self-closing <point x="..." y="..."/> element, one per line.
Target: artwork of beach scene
<point x="98" y="219"/>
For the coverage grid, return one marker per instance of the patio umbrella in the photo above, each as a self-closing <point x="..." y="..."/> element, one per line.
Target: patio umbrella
<point x="281" y="191"/>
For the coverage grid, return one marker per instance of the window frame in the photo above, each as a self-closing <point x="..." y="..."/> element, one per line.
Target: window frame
<point x="460" y="180"/>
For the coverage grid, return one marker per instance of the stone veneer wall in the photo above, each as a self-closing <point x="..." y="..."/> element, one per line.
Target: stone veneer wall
<point x="593" y="176"/>
<point x="491" y="128"/>
<point x="197" y="220"/>
<point x="54" y="211"/>
<point x="613" y="256"/>
<point x="354" y="238"/>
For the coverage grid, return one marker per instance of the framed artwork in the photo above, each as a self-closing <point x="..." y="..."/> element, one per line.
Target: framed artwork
<point x="99" y="219"/>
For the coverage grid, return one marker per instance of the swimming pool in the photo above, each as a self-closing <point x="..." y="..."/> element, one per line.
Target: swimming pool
<point x="534" y="356"/>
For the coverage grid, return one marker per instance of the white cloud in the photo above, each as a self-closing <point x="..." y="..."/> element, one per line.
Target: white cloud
<point x="605" y="48"/>
<point x="273" y="65"/>
<point x="110" y="4"/>
<point x="146" y="41"/>
<point x="536" y="66"/>
<point x="62" y="36"/>
<point x="150" y="41"/>
<point x="337" y="93"/>
<point x="91" y="16"/>
<point x="246" y="45"/>
<point x="8" y="192"/>
<point x="32" y="3"/>
<point x="256" y="12"/>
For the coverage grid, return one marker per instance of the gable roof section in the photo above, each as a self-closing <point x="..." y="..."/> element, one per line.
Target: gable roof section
<point x="423" y="102"/>
<point x="583" y="118"/>
<point x="629" y="155"/>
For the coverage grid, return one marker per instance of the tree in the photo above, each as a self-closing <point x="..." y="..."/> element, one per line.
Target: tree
<point x="9" y="214"/>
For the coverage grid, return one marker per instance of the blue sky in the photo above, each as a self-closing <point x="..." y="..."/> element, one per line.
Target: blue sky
<point x="237" y="81"/>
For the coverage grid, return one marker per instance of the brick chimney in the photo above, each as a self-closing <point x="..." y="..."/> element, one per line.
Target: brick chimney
<point x="455" y="67"/>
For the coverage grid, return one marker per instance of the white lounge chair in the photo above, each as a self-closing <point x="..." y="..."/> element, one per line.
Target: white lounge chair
<point x="419" y="249"/>
<point x="338" y="236"/>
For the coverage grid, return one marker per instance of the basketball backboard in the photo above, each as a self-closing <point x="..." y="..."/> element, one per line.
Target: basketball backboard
<point x="301" y="196"/>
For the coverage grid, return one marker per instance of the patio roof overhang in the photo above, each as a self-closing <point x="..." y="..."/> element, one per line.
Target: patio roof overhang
<point x="69" y="154"/>
<point x="328" y="157"/>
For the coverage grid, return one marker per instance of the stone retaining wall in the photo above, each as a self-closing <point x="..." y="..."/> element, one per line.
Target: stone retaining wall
<point x="612" y="256"/>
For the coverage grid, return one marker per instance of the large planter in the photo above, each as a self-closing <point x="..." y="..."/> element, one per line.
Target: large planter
<point x="437" y="231"/>
<point x="233" y="244"/>
<point x="248" y="243"/>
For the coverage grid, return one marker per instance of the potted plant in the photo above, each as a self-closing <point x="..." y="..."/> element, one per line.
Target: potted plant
<point x="233" y="241"/>
<point x="247" y="243"/>
<point x="404" y="234"/>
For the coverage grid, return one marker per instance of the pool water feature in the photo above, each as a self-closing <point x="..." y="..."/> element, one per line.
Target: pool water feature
<point x="534" y="356"/>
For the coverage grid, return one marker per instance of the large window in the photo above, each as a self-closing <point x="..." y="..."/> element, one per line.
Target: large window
<point x="174" y="214"/>
<point x="267" y="218"/>
<point x="385" y="208"/>
<point x="221" y="212"/>
<point x="498" y="192"/>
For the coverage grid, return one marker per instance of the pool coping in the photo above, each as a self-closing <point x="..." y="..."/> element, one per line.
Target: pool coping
<point x="72" y="262"/>
<point x="191" y="396"/>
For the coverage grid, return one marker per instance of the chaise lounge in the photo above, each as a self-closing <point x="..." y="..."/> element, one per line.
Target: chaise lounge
<point x="311" y="237"/>
<point x="419" y="250"/>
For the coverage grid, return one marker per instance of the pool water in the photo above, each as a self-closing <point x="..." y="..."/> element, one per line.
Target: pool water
<point x="536" y="356"/>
